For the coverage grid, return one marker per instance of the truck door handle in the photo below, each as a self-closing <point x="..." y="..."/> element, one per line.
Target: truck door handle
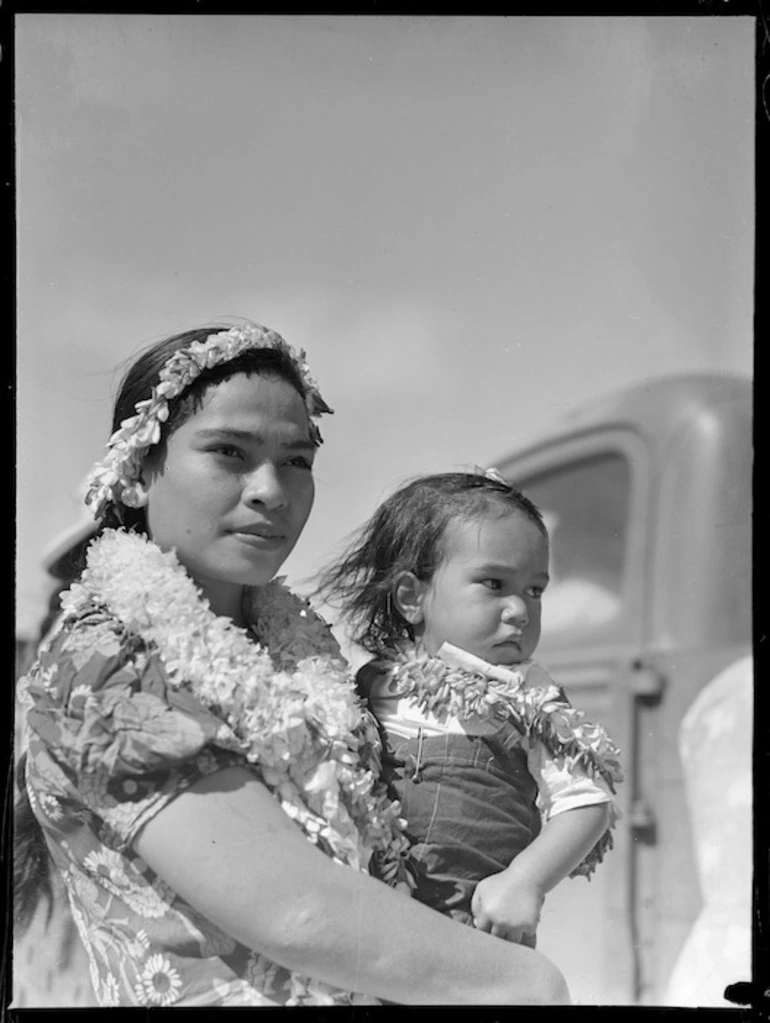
<point x="642" y="822"/>
<point x="647" y="684"/>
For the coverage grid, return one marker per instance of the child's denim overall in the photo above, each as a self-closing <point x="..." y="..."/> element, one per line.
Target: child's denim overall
<point x="469" y="803"/>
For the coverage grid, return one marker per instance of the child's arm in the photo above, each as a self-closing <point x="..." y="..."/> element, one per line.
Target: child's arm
<point x="508" y="904"/>
<point x="577" y="810"/>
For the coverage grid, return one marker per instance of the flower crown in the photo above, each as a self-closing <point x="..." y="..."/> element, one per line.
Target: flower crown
<point x="116" y="479"/>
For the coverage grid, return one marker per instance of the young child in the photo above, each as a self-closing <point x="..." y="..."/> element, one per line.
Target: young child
<point x="443" y="585"/>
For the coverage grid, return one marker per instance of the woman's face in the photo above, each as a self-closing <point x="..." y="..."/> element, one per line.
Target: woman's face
<point x="233" y="487"/>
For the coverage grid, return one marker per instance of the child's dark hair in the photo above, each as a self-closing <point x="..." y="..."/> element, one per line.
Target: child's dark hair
<point x="406" y="534"/>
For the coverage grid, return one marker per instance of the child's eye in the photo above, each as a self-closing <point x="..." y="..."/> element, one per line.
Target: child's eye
<point x="300" y="462"/>
<point x="536" y="591"/>
<point x="492" y="584"/>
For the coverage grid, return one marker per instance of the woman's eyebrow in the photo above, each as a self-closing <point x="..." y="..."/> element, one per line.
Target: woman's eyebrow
<point x="231" y="433"/>
<point x="225" y="431"/>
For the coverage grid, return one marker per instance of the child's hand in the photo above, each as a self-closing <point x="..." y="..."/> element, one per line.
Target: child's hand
<point x="507" y="904"/>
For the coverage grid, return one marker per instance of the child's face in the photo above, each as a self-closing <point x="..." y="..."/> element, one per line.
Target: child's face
<point x="485" y="595"/>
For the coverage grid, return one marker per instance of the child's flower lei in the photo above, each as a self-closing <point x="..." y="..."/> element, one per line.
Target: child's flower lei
<point x="287" y="702"/>
<point x="114" y="480"/>
<point x="539" y="712"/>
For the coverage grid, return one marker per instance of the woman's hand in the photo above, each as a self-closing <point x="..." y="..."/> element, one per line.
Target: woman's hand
<point x="225" y="847"/>
<point x="507" y="905"/>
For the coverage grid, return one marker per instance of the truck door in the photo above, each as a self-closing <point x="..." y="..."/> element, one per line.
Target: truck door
<point x="594" y="491"/>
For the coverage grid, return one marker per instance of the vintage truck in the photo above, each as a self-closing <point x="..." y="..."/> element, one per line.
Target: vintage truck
<point x="648" y="496"/>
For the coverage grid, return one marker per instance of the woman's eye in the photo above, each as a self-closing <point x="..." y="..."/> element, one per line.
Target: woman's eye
<point x="227" y="451"/>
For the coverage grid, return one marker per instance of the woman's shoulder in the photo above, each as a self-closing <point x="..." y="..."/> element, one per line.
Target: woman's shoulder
<point x="106" y="727"/>
<point x="85" y="649"/>
<point x="92" y="628"/>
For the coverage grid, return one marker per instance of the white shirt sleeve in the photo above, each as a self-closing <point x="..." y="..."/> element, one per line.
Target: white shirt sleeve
<point x="561" y="787"/>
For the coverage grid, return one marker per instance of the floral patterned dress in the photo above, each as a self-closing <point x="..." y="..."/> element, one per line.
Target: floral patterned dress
<point x="110" y="743"/>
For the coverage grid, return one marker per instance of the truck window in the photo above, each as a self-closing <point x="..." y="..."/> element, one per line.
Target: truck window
<point x="586" y="508"/>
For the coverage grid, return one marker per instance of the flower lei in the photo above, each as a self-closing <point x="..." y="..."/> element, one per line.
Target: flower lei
<point x="538" y="712"/>
<point x="115" y="479"/>
<point x="287" y="702"/>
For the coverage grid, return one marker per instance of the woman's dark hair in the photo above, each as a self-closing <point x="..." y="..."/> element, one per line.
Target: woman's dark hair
<point x="32" y="864"/>
<point x="406" y="534"/>
<point x="142" y="376"/>
<point x="31" y="861"/>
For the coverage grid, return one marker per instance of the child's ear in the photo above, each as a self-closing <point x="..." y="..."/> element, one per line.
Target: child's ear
<point x="408" y="596"/>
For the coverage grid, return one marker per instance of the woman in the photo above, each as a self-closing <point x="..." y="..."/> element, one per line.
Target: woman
<point x="197" y="761"/>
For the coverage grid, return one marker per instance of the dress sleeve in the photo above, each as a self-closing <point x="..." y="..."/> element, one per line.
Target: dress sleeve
<point x="107" y="733"/>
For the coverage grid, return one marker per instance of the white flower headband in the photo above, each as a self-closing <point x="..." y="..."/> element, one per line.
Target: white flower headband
<point x="117" y="477"/>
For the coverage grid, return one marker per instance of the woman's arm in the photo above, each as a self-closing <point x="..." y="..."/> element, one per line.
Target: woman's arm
<point x="508" y="904"/>
<point x="225" y="846"/>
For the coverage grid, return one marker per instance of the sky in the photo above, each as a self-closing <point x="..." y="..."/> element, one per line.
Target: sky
<point x="472" y="224"/>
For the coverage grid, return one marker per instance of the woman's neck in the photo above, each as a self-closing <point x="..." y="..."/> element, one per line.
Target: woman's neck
<point x="225" y="601"/>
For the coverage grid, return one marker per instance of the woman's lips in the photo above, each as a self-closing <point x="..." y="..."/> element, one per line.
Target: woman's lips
<point x="259" y="538"/>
